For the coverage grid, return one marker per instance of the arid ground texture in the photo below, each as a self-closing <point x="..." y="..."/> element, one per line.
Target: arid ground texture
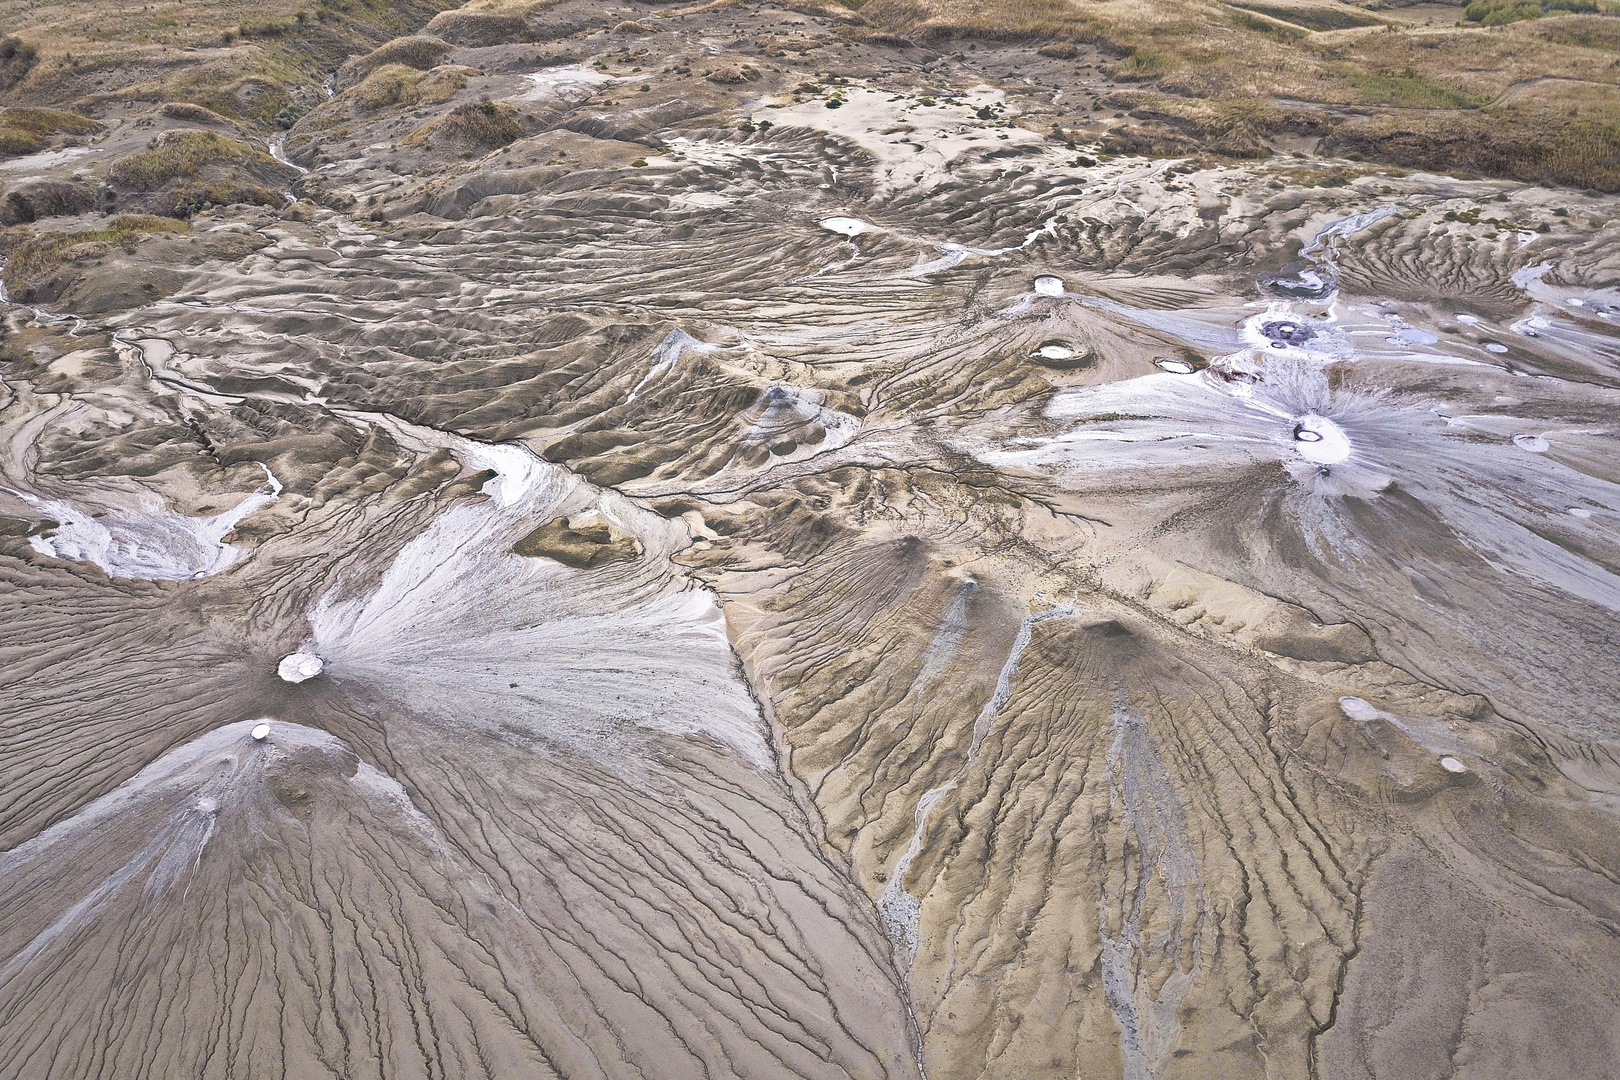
<point x="949" y="539"/>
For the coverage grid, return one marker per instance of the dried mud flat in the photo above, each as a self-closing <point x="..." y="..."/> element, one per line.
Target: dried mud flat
<point x="880" y="594"/>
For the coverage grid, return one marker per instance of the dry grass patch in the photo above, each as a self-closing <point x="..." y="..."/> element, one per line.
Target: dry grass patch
<point x="192" y="113"/>
<point x="1316" y="17"/>
<point x="32" y="256"/>
<point x="17" y="58"/>
<point x="1528" y="142"/>
<point x="482" y="125"/>
<point x="396" y="85"/>
<point x="476" y="29"/>
<point x="28" y="131"/>
<point x="1449" y="98"/>
<point x="1409" y="90"/>
<point x="178" y="155"/>
<point x="420" y="51"/>
<point x="236" y="58"/>
<point x="1582" y="32"/>
<point x="994" y="19"/>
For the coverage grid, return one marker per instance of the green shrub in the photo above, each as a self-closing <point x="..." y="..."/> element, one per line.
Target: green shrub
<point x="1141" y="64"/>
<point x="1410" y="90"/>
<point x="1502" y="12"/>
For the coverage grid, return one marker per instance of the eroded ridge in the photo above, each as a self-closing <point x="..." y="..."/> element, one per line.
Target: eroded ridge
<point x="1150" y="809"/>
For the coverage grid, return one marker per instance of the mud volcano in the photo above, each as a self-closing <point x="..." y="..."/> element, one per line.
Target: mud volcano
<point x="1285" y="332"/>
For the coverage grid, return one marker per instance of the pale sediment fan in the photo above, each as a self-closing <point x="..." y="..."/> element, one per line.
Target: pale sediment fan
<point x="592" y="870"/>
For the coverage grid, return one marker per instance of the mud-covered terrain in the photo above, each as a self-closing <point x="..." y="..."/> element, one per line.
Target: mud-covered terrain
<point x="665" y="542"/>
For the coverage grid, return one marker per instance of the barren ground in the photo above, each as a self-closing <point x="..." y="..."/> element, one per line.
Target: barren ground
<point x="744" y="540"/>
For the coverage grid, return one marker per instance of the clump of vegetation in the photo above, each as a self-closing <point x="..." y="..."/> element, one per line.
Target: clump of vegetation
<point x="391" y="84"/>
<point x="397" y="85"/>
<point x="193" y="113"/>
<point x="27" y="131"/>
<point x="1139" y="65"/>
<point x="197" y="197"/>
<point x="1502" y="12"/>
<point x="31" y="256"/>
<point x="1583" y="31"/>
<point x="249" y="97"/>
<point x="1333" y="177"/>
<point x="484" y="125"/>
<point x="419" y="51"/>
<point x="1147" y="140"/>
<point x="1531" y="145"/>
<point x="924" y="20"/>
<point x="46" y="198"/>
<point x="478" y="29"/>
<point x="272" y="28"/>
<point x="178" y="155"/>
<point x="172" y="52"/>
<point x="729" y="75"/>
<point x="593" y="543"/>
<point x="1271" y="27"/>
<point x="1336" y="17"/>
<point x="1410" y="90"/>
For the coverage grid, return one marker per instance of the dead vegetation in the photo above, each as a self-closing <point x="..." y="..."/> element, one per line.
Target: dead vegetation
<point x="484" y="125"/>
<point x="28" y="131"/>
<point x="419" y="51"/>
<point x="33" y="256"/>
<point x="176" y="155"/>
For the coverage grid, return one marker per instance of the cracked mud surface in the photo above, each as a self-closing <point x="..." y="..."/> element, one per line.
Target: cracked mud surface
<point x="868" y="594"/>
